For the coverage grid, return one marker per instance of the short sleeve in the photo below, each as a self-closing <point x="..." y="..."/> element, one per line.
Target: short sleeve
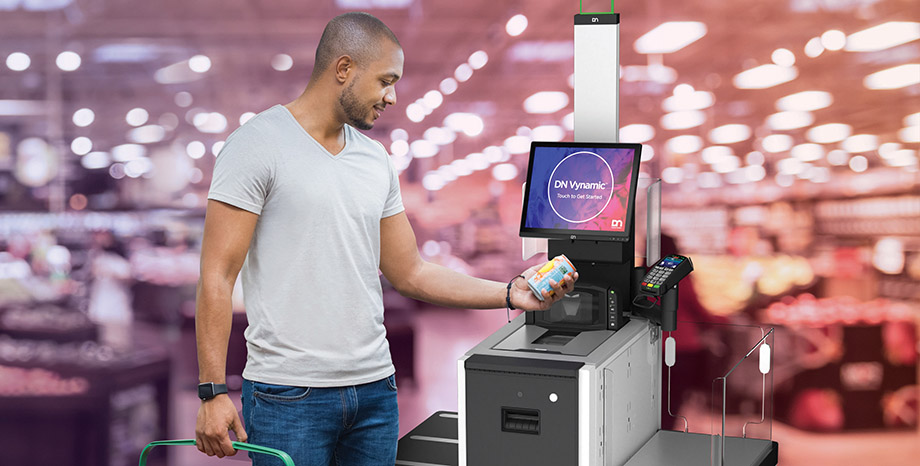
<point x="243" y="172"/>
<point x="394" y="204"/>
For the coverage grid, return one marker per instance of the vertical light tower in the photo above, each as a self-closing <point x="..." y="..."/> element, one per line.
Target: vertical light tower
<point x="597" y="76"/>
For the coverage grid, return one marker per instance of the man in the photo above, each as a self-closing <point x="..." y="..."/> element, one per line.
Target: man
<point x="310" y="208"/>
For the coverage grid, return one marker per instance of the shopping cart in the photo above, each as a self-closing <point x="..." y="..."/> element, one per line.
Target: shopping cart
<point x="236" y="445"/>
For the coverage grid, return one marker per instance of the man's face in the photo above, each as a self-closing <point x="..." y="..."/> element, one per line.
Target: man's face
<point x="372" y="88"/>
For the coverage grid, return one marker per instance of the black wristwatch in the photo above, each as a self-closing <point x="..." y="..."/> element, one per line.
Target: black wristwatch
<point x="209" y="390"/>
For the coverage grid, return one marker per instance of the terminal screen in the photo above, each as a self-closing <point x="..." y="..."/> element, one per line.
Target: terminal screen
<point x="580" y="189"/>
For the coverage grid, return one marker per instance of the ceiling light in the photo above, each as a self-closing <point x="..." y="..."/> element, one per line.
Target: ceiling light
<point x="470" y="124"/>
<point x="894" y="78"/>
<point x="713" y="154"/>
<point x="478" y="59"/>
<point x="838" y="157"/>
<point x="860" y="143"/>
<point x="542" y="51"/>
<point x="568" y="122"/>
<point x="546" y="102"/>
<point x="415" y="112"/>
<point x="246" y="117"/>
<point x="463" y="73"/>
<point x="18" y="61"/>
<point x="217" y="147"/>
<point x="777" y="143"/>
<point x="808" y="152"/>
<point x="764" y="76"/>
<point x="68" y="61"/>
<point x="909" y="134"/>
<point x="784" y="180"/>
<point x="138" y="167"/>
<point x="833" y="39"/>
<point x="282" y="62"/>
<point x="648" y="153"/>
<point x="552" y="133"/>
<point x="755" y="173"/>
<point x="95" y="160"/>
<point x="504" y="172"/>
<point x="81" y="145"/>
<point x="805" y="101"/>
<point x="183" y="99"/>
<point x="199" y="63"/>
<point x="195" y="149"/>
<point x="433" y="99"/>
<point x="461" y="167"/>
<point x="730" y="134"/>
<point x="212" y="122"/>
<point x="755" y="158"/>
<point x="128" y="152"/>
<point x="672" y="175"/>
<point x="814" y="48"/>
<point x="682" y="120"/>
<point x="495" y="154"/>
<point x="902" y="158"/>
<point x="432" y="181"/>
<point x="478" y="161"/>
<point x="423" y="149"/>
<point x="694" y="100"/>
<point x="637" y="133"/>
<point x="148" y="134"/>
<point x="783" y="57"/>
<point x="670" y="37"/>
<point x="83" y="117"/>
<point x="727" y="164"/>
<point x="790" y="166"/>
<point x="399" y="148"/>
<point x="169" y="121"/>
<point x="399" y="134"/>
<point x="859" y="164"/>
<point x="685" y="144"/>
<point x="137" y="116"/>
<point x="440" y="136"/>
<point x="887" y="149"/>
<point x="784" y="121"/>
<point x="448" y="86"/>
<point x="518" y="144"/>
<point x="516" y="25"/>
<point x="117" y="171"/>
<point x="819" y="174"/>
<point x="828" y="133"/>
<point x="883" y="36"/>
<point x="912" y="120"/>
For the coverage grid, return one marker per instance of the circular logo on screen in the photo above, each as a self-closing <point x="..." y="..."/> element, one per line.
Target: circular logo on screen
<point x="580" y="187"/>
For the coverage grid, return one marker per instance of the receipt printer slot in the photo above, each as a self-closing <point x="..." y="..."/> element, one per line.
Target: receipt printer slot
<point x="522" y="421"/>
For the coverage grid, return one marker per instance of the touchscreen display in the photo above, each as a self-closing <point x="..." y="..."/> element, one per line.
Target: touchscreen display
<point x="578" y="187"/>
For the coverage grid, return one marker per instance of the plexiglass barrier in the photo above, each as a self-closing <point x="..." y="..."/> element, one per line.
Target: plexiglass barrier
<point x="648" y="221"/>
<point x="717" y="381"/>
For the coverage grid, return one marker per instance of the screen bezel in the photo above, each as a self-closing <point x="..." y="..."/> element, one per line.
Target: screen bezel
<point x="556" y="233"/>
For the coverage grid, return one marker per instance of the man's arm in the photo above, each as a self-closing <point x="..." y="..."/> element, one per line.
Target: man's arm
<point x="416" y="278"/>
<point x="227" y="233"/>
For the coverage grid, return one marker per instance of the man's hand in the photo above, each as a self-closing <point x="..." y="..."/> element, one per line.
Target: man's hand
<point x="215" y="418"/>
<point x="523" y="298"/>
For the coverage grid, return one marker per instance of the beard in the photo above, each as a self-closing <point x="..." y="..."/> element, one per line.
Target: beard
<point x="354" y="110"/>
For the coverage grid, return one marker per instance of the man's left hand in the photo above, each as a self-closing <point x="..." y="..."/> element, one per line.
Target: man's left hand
<point x="523" y="298"/>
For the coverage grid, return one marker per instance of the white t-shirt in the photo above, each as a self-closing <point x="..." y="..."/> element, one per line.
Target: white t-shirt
<point x="311" y="284"/>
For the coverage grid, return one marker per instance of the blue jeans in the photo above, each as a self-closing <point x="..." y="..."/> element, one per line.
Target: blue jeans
<point x="340" y="426"/>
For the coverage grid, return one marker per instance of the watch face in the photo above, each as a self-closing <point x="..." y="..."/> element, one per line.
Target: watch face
<point x="206" y="391"/>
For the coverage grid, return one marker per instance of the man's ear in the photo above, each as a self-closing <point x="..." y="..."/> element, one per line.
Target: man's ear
<point x="344" y="68"/>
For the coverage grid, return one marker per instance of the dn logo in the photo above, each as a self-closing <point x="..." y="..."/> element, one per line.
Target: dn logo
<point x="616" y="223"/>
<point x="594" y="19"/>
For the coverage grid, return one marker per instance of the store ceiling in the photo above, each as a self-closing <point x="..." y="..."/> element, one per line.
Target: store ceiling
<point x="124" y="43"/>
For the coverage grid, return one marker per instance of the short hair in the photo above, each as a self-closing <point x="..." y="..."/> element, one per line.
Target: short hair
<point x="356" y="34"/>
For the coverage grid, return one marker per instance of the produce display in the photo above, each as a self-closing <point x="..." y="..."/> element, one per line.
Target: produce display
<point x="88" y="354"/>
<point x="726" y="284"/>
<point x="807" y="310"/>
<point x="17" y="381"/>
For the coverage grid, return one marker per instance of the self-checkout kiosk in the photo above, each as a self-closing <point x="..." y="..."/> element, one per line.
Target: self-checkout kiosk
<point x="578" y="384"/>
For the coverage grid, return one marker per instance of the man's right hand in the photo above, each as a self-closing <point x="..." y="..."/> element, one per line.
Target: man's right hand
<point x="216" y="417"/>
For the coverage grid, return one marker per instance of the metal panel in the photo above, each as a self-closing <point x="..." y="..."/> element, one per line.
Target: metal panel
<point x="597" y="81"/>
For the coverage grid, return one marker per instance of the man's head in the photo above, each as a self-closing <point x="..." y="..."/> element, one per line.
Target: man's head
<point x="362" y="56"/>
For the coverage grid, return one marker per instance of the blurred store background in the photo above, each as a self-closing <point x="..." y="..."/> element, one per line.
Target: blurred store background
<point x="786" y="134"/>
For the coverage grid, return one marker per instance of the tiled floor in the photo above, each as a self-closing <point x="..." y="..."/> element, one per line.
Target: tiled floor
<point x="442" y="336"/>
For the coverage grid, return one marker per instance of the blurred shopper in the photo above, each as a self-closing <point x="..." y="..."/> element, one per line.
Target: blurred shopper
<point x="309" y="208"/>
<point x="110" y="295"/>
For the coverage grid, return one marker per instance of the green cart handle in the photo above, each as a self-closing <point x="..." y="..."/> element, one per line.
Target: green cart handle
<point x="286" y="458"/>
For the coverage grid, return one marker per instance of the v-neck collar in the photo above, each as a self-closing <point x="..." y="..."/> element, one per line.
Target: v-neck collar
<point x="311" y="138"/>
